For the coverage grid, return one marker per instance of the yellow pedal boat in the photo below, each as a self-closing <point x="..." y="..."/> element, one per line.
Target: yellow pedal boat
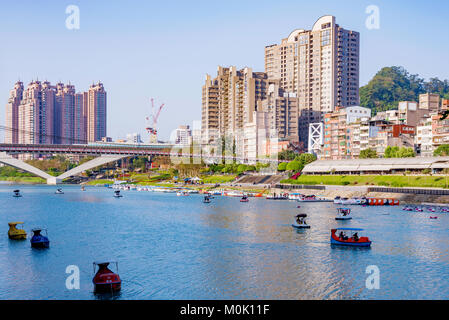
<point x="16" y="233"/>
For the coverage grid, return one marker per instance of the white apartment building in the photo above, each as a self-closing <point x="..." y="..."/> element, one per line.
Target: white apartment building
<point x="424" y="138"/>
<point x="183" y="135"/>
<point x="357" y="113"/>
<point x="254" y="140"/>
<point x="133" y="138"/>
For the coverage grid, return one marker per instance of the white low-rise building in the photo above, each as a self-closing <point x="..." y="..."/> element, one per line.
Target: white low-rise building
<point x="355" y="113"/>
<point x="424" y="138"/>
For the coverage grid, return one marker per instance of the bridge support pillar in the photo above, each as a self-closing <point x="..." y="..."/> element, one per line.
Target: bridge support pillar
<point x="90" y="164"/>
<point x="53" y="181"/>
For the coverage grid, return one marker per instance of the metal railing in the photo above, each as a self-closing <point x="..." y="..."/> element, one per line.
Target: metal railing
<point x="299" y="186"/>
<point x="432" y="192"/>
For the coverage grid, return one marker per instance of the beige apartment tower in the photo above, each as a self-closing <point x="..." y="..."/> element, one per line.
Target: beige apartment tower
<point x="229" y="101"/>
<point x="320" y="65"/>
<point x="209" y="111"/>
<point x="96" y="113"/>
<point x="283" y="112"/>
<point x="12" y="113"/>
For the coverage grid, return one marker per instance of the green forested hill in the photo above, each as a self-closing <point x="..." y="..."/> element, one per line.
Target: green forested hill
<point x="393" y="84"/>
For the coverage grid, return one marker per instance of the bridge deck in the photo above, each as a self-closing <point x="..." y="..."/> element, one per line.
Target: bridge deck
<point x="136" y="150"/>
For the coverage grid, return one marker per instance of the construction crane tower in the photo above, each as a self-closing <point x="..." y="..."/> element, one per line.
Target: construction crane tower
<point x="152" y="121"/>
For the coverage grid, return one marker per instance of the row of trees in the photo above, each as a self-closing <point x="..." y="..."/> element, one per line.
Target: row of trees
<point x="298" y="162"/>
<point x="390" y="152"/>
<point x="236" y="168"/>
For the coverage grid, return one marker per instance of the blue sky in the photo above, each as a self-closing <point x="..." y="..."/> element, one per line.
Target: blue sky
<point x="163" y="49"/>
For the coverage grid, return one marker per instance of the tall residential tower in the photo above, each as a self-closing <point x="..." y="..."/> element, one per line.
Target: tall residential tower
<point x="321" y="66"/>
<point x="96" y="112"/>
<point x="12" y="113"/>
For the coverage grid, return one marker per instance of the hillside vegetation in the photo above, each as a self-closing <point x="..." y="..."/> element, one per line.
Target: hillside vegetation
<point x="393" y="84"/>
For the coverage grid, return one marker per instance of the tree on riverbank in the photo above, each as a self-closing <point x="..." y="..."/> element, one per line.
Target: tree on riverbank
<point x="368" y="154"/>
<point x="396" y="152"/>
<point x="442" y="151"/>
<point x="305" y="158"/>
<point x="287" y="155"/>
<point x="282" y="166"/>
<point x="7" y="171"/>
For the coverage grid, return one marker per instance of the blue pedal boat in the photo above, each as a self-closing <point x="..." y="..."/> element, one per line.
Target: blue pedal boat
<point x="38" y="240"/>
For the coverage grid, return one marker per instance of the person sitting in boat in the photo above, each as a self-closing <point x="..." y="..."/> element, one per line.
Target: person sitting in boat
<point x="343" y="236"/>
<point x="355" y="236"/>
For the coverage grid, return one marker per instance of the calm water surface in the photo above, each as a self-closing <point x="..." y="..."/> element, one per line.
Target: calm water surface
<point x="171" y="247"/>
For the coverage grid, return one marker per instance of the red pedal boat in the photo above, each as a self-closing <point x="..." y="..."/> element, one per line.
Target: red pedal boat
<point x="341" y="238"/>
<point x="105" y="280"/>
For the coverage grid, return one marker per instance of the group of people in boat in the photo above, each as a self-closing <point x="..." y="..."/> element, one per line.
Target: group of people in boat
<point x="344" y="237"/>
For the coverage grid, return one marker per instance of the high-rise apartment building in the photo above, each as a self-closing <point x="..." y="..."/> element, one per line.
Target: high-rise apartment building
<point x="282" y="109"/>
<point x="36" y="111"/>
<point x="65" y="98"/>
<point x="12" y="113"/>
<point x="230" y="99"/>
<point x="80" y="118"/>
<point x="210" y="110"/>
<point x="320" y="65"/>
<point x="96" y="112"/>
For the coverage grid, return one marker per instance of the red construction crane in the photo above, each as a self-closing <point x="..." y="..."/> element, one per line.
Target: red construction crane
<point x="151" y="127"/>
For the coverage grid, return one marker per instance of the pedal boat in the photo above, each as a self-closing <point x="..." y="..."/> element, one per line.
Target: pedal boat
<point x="343" y="214"/>
<point x="38" y="240"/>
<point x="16" y="233"/>
<point x="106" y="281"/>
<point x="16" y="194"/>
<point x="300" y="222"/>
<point x="353" y="240"/>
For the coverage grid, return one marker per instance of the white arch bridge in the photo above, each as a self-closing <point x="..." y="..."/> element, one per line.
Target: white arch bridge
<point x="106" y="153"/>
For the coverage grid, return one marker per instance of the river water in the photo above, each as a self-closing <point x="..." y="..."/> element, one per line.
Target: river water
<point x="171" y="247"/>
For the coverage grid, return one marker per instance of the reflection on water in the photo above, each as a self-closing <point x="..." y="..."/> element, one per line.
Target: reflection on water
<point x="171" y="247"/>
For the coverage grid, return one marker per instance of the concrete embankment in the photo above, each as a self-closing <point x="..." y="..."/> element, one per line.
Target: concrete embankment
<point x="413" y="195"/>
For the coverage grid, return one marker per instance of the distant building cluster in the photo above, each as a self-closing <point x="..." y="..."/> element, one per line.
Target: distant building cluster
<point x="133" y="138"/>
<point x="310" y="73"/>
<point x="417" y="125"/>
<point x="43" y="113"/>
<point x="308" y="98"/>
